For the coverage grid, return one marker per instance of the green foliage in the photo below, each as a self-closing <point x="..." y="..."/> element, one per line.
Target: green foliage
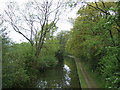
<point x="47" y="56"/>
<point x="14" y="72"/>
<point x="94" y="39"/>
<point x="20" y="63"/>
<point x="62" y="37"/>
<point x="110" y="67"/>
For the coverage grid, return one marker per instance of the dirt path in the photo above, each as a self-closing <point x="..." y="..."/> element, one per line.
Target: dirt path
<point x="89" y="81"/>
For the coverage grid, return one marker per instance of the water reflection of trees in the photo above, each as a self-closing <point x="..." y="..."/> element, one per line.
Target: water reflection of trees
<point x="58" y="77"/>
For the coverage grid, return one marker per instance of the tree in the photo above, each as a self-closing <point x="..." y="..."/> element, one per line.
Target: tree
<point x="62" y="37"/>
<point x="95" y="40"/>
<point x="37" y="19"/>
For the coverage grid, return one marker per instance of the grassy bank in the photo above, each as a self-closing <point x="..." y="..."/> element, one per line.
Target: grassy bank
<point x="87" y="78"/>
<point x="94" y="75"/>
<point x="80" y="75"/>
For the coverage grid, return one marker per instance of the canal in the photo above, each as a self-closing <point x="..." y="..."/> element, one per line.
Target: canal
<point x="64" y="75"/>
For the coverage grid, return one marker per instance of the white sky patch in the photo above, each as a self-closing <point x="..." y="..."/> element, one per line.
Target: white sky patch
<point x="13" y="35"/>
<point x="110" y="0"/>
<point x="63" y="24"/>
<point x="100" y="0"/>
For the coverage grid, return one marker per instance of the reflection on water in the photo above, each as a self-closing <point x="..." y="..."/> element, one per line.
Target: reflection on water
<point x="66" y="76"/>
<point x="62" y="76"/>
<point x="66" y="68"/>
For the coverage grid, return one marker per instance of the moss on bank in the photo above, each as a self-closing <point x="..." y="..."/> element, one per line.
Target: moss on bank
<point x="80" y="75"/>
<point x="86" y="78"/>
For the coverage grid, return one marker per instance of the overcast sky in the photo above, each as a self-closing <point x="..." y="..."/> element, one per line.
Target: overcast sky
<point x="62" y="25"/>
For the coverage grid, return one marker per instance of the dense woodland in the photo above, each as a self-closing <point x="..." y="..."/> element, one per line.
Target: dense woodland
<point x="94" y="39"/>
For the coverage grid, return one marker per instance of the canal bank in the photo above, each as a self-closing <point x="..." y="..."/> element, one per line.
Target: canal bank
<point x="85" y="80"/>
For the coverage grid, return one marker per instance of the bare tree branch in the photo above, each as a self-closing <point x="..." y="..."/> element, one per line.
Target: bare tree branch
<point x="34" y="20"/>
<point x="97" y="8"/>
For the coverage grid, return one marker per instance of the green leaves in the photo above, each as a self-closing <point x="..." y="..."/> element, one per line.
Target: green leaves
<point x="94" y="39"/>
<point x="47" y="56"/>
<point x="14" y="68"/>
<point x="110" y="67"/>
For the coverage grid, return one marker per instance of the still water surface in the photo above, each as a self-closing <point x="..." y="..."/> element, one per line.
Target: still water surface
<point x="64" y="75"/>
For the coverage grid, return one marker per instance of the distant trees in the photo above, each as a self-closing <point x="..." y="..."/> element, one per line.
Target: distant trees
<point x="62" y="38"/>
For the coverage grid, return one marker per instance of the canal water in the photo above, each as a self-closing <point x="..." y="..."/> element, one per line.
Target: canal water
<point x="64" y="75"/>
